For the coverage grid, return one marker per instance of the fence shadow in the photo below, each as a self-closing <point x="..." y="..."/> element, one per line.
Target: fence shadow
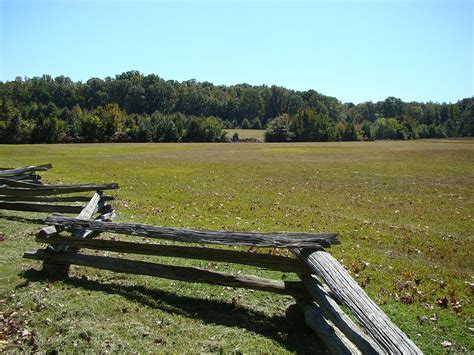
<point x="22" y="219"/>
<point x="289" y="331"/>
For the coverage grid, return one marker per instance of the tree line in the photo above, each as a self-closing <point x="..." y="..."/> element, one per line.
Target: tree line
<point x="146" y="108"/>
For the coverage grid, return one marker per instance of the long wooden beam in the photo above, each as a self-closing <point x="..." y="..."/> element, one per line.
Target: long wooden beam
<point x="107" y="215"/>
<point x="180" y="273"/>
<point x="54" y="189"/>
<point x="272" y="262"/>
<point x="25" y="169"/>
<point x="37" y="207"/>
<point x="86" y="212"/>
<point x="333" y="313"/>
<point x="36" y="179"/>
<point x="335" y="341"/>
<point x="17" y="183"/>
<point x="348" y="293"/>
<point x="257" y="239"/>
<point x="52" y="198"/>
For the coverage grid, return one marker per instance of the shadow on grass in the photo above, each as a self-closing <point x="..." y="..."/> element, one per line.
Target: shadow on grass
<point x="23" y="219"/>
<point x="289" y="331"/>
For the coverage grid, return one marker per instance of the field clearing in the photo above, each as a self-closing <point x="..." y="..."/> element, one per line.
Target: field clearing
<point x="404" y="211"/>
<point x="247" y="133"/>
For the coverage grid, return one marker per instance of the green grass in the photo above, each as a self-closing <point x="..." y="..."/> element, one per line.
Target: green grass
<point x="247" y="133"/>
<point x="404" y="211"/>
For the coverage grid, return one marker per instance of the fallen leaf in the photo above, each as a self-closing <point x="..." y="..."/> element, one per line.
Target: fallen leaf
<point x="407" y="299"/>
<point x="457" y="307"/>
<point x="85" y="336"/>
<point x="442" y="302"/>
<point x="446" y="344"/>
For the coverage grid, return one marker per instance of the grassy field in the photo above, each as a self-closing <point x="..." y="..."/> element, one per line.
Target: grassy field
<point x="247" y="133"/>
<point x="404" y="211"/>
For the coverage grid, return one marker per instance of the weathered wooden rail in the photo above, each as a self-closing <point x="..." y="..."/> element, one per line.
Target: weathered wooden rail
<point x="322" y="313"/>
<point x="323" y="283"/>
<point x="21" y="189"/>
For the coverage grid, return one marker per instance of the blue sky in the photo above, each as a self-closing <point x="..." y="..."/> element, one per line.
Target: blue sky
<point x="354" y="50"/>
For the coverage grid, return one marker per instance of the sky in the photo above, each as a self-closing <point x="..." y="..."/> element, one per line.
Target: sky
<point x="419" y="50"/>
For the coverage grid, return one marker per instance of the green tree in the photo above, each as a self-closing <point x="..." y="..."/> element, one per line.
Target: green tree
<point x="339" y="130"/>
<point x="367" y="131"/>
<point x="389" y="128"/>
<point x="245" y="124"/>
<point x="209" y="129"/>
<point x="47" y="130"/>
<point x="256" y="124"/>
<point x="278" y="130"/>
<point x="251" y="104"/>
<point x="235" y="137"/>
<point x="166" y="130"/>
<point x="295" y="104"/>
<point x="16" y="130"/>
<point x="309" y="126"/>
<point x="37" y="103"/>
<point x="112" y="119"/>
<point x="351" y="133"/>
<point x="91" y="128"/>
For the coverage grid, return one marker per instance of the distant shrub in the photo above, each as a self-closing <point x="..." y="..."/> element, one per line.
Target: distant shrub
<point x="278" y="130"/>
<point x="250" y="140"/>
<point x="121" y="137"/>
<point x="235" y="137"/>
<point x="208" y="129"/>
<point x="245" y="124"/>
<point x="367" y="131"/>
<point x="310" y="126"/>
<point x="256" y="124"/>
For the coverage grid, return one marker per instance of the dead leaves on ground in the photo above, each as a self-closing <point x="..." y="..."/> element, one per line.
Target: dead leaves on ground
<point x="14" y="332"/>
<point x="408" y="291"/>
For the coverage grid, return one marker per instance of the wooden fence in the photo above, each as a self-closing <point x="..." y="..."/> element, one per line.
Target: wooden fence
<point x="22" y="189"/>
<point x="323" y="287"/>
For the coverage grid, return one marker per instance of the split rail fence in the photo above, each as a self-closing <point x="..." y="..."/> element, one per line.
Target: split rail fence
<point x="323" y="287"/>
<point x="22" y="189"/>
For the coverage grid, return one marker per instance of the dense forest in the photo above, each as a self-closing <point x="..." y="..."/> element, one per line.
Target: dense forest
<point x="139" y="108"/>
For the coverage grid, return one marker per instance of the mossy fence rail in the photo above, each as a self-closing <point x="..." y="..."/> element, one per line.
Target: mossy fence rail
<point x="324" y="284"/>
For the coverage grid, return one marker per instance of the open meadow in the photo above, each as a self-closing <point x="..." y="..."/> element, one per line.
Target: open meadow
<point x="247" y="133"/>
<point x="404" y="211"/>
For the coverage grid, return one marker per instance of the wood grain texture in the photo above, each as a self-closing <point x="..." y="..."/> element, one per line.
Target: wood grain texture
<point x="338" y="318"/>
<point x="257" y="239"/>
<point x="36" y="207"/>
<point x="335" y="341"/>
<point x="91" y="207"/>
<point x="52" y="198"/>
<point x="272" y="262"/>
<point x="189" y="274"/>
<point x="348" y="293"/>
<point x="104" y="217"/>
<point x="25" y="169"/>
<point x="42" y="190"/>
<point x="53" y="231"/>
<point x="36" y="179"/>
<point x="17" y="183"/>
<point x="85" y="212"/>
